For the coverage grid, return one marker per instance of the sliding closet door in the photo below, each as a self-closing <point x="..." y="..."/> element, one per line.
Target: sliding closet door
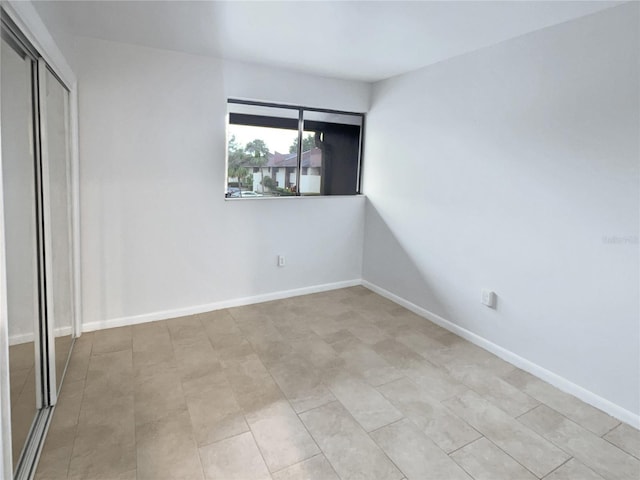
<point x="21" y="237"/>
<point x="54" y="118"/>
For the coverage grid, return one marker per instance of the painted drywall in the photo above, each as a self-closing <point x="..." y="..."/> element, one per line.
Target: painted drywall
<point x="254" y="82"/>
<point x="515" y="168"/>
<point x="157" y="234"/>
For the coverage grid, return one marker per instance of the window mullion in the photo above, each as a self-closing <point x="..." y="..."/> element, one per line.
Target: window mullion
<point x="300" y="131"/>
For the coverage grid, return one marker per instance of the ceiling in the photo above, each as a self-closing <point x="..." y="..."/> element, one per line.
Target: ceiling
<point x="359" y="40"/>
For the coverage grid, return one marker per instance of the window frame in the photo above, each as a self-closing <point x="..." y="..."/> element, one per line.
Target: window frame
<point x="300" y="110"/>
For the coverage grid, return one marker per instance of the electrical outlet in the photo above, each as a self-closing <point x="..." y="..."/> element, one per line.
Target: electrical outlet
<point x="281" y="260"/>
<point x="489" y="298"/>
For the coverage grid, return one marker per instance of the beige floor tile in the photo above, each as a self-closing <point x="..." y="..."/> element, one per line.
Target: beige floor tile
<point x="596" y="453"/>
<point x="60" y="437"/>
<point x="419" y="342"/>
<point x="22" y="416"/>
<point x="292" y="327"/>
<point x="573" y="470"/>
<point x="252" y="384"/>
<point x="63" y="354"/>
<point x="236" y="458"/>
<point x="214" y="411"/>
<point x="362" y="360"/>
<point x="130" y="475"/>
<point x="583" y="414"/>
<point x="114" y="412"/>
<point x="18" y="380"/>
<point x="258" y="328"/>
<point x="315" y="468"/>
<point x="112" y="340"/>
<point x="58" y="448"/>
<point x="54" y="463"/>
<point x="500" y="393"/>
<point x="102" y="452"/>
<point x="434" y="380"/>
<point x="83" y="344"/>
<point x="397" y="321"/>
<point x="341" y="337"/>
<point x="319" y="353"/>
<point x="224" y="334"/>
<point x="351" y="452"/>
<point x="326" y="325"/>
<point x="368" y="406"/>
<point x="447" y="430"/>
<point x="151" y="337"/>
<point x="484" y="461"/>
<point x="398" y="354"/>
<point x="219" y="322"/>
<point x="21" y="356"/>
<point x="369" y="334"/>
<point x="188" y="384"/>
<point x="185" y="330"/>
<point x="211" y="381"/>
<point x="78" y="366"/>
<point x="67" y="411"/>
<point x="416" y="455"/>
<point x="272" y="351"/>
<point x="531" y="450"/>
<point x="300" y="384"/>
<point x="167" y="449"/>
<point x="456" y="354"/>
<point x="113" y="370"/>
<point x="281" y="436"/>
<point x="151" y="362"/>
<point x="232" y="346"/>
<point x="626" y="438"/>
<point x="158" y="396"/>
<point x="196" y="359"/>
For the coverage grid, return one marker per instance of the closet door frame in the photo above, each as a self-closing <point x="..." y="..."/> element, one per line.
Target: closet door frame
<point x="51" y="388"/>
<point x="26" y="19"/>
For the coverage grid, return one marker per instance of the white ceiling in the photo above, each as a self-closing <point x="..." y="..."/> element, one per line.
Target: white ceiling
<point x="360" y="40"/>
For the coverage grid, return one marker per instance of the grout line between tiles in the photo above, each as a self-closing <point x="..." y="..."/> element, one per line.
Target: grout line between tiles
<point x="610" y="430"/>
<point x="558" y="467"/>
<point x="387" y="425"/>
<point x="283" y="395"/>
<point x="520" y="463"/>
<point x="530" y="410"/>
<point x="467" y="444"/>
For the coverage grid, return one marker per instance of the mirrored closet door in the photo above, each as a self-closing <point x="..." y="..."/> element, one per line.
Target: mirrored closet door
<point x="57" y="218"/>
<point x="21" y="241"/>
<point x="38" y="236"/>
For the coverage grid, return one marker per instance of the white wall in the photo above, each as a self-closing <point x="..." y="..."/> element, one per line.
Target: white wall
<point x="254" y="82"/>
<point x="157" y="234"/>
<point x="508" y="168"/>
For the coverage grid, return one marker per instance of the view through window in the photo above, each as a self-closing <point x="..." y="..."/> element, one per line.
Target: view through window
<point x="289" y="151"/>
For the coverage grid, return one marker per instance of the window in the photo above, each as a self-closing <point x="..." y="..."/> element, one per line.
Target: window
<point x="276" y="150"/>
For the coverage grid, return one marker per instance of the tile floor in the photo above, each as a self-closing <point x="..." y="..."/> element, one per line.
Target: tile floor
<point x="336" y="385"/>
<point x="22" y="380"/>
<point x="23" y="388"/>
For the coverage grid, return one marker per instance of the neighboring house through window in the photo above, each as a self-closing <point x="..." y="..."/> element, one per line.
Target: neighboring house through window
<point x="275" y="150"/>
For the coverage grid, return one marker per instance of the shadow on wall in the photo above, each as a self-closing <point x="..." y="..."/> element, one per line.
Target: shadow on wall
<point x="381" y="247"/>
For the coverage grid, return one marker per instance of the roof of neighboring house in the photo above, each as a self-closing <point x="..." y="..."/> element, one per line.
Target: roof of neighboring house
<point x="310" y="158"/>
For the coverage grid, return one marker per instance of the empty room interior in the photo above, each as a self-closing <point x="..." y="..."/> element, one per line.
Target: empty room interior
<point x="347" y="240"/>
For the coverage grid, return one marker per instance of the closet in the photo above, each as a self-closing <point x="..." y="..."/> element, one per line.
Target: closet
<point x="37" y="208"/>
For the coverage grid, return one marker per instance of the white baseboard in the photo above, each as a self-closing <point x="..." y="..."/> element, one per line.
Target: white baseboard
<point x="210" y="307"/>
<point x="562" y="383"/>
<point x="28" y="337"/>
